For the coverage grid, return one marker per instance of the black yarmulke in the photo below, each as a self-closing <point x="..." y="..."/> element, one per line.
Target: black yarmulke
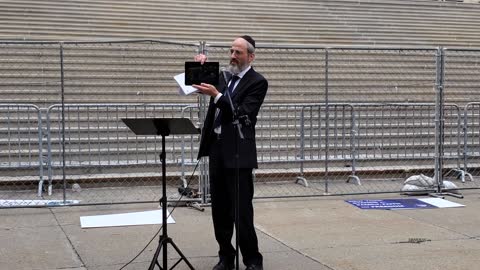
<point x="249" y="39"/>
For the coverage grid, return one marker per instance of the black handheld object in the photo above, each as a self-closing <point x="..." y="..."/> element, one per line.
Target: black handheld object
<point x="196" y="73"/>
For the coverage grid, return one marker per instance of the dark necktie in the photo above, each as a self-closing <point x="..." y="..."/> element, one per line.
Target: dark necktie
<point x="217" y="121"/>
<point x="232" y="83"/>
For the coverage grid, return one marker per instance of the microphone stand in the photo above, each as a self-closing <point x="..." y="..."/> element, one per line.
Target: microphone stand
<point x="238" y="127"/>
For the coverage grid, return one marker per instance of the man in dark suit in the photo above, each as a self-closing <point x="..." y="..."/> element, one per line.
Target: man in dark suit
<point x="247" y="90"/>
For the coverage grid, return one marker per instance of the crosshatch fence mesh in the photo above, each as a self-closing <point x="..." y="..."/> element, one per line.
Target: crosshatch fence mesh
<point x="102" y="153"/>
<point x="335" y="120"/>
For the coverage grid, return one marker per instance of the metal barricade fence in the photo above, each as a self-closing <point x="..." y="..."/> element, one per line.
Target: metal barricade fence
<point x="351" y="148"/>
<point x="22" y="156"/>
<point x="188" y="154"/>
<point x="462" y="77"/>
<point x="471" y="144"/>
<point x="323" y="146"/>
<point x="100" y="152"/>
<point x="396" y="141"/>
<point x="329" y="135"/>
<point x="297" y="145"/>
<point x="278" y="150"/>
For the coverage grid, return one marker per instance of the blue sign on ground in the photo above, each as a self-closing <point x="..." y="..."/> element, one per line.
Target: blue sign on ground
<point x="391" y="204"/>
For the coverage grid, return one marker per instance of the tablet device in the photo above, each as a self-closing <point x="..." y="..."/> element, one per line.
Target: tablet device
<point x="196" y="73"/>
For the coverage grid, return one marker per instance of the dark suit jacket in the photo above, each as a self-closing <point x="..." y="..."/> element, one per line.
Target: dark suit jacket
<point x="247" y="98"/>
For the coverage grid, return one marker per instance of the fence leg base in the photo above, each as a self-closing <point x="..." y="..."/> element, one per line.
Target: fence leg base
<point x="443" y="194"/>
<point x="354" y="177"/>
<point x="40" y="189"/>
<point x="461" y="174"/>
<point x="184" y="182"/>
<point x="196" y="206"/>
<point x="301" y="181"/>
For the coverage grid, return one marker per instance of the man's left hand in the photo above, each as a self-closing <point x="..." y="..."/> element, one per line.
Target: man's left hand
<point x="207" y="89"/>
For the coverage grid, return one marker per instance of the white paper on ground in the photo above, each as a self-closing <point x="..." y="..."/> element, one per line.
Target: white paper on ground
<point x="126" y="219"/>
<point x="184" y="89"/>
<point x="441" y="203"/>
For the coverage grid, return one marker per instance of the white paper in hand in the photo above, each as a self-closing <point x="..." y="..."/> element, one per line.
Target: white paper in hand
<point x="184" y="90"/>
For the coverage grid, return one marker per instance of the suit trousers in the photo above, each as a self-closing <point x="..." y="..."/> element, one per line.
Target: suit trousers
<point x="222" y="190"/>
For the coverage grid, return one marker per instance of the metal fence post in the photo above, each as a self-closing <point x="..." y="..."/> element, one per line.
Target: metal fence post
<point x="465" y="138"/>
<point x="439" y="118"/>
<point x="327" y="117"/>
<point x="62" y="88"/>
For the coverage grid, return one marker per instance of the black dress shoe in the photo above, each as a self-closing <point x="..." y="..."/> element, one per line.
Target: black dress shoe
<point x="254" y="267"/>
<point x="222" y="265"/>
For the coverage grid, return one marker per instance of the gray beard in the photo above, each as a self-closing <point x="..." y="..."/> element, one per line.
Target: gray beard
<point x="235" y="70"/>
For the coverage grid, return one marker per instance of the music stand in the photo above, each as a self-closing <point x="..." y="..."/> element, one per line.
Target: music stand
<point x="163" y="127"/>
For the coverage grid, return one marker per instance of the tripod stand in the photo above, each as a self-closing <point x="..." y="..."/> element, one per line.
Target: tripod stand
<point x="163" y="127"/>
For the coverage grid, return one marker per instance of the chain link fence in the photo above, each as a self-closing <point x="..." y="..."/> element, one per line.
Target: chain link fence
<point x="22" y="155"/>
<point x="462" y="80"/>
<point x="389" y="75"/>
<point x="98" y="159"/>
<point x="30" y="73"/>
<point x="335" y="120"/>
<point x="471" y="146"/>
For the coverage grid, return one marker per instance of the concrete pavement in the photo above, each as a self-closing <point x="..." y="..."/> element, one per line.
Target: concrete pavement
<point x="308" y="234"/>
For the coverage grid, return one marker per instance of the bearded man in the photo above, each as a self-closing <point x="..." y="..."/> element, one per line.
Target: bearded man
<point x="247" y="89"/>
